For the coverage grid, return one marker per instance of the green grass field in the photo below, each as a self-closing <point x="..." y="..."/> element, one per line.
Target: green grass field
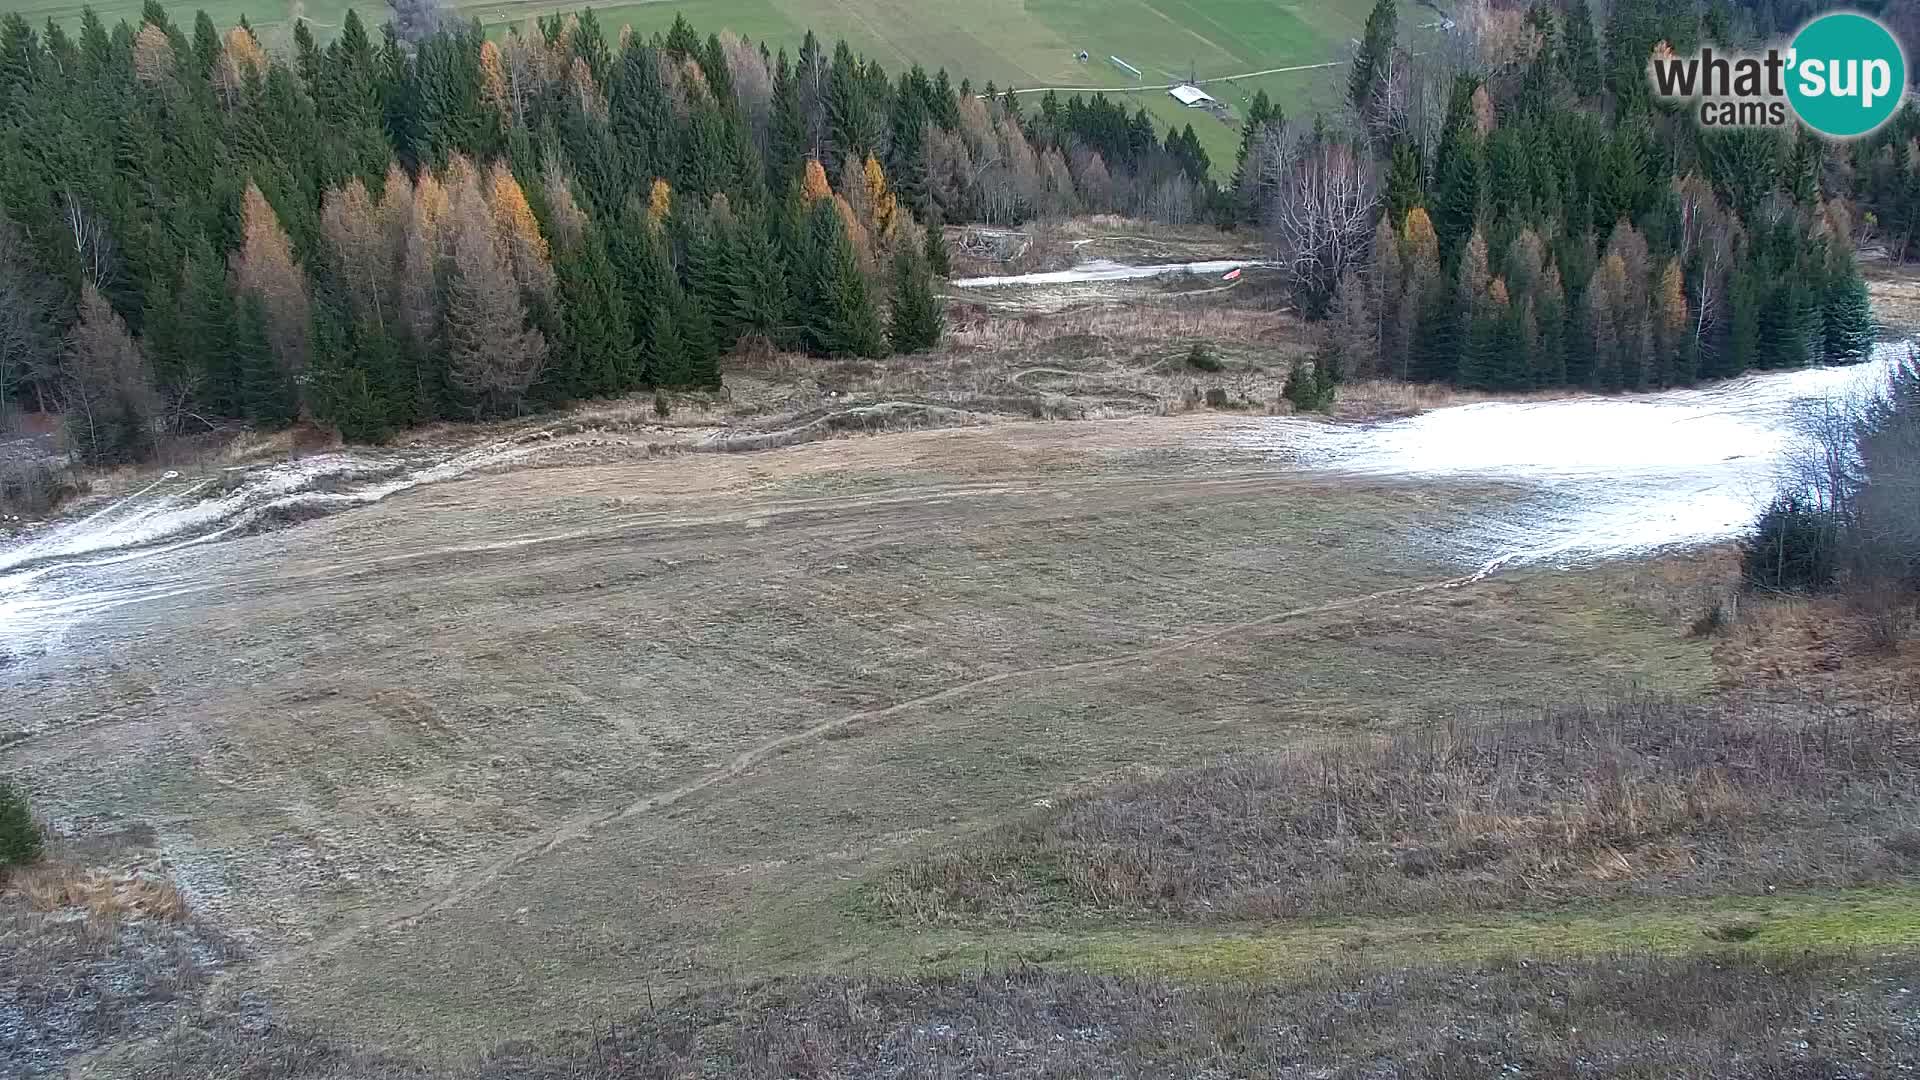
<point x="1017" y="43"/>
<point x="1011" y="42"/>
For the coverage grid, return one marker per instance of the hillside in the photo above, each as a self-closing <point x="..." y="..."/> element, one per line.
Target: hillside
<point x="1011" y="43"/>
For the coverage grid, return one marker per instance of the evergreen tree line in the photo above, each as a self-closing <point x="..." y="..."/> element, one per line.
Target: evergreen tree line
<point x="373" y="234"/>
<point x="1516" y="211"/>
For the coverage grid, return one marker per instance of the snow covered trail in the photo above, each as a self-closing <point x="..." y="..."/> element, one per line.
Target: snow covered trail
<point x="141" y="546"/>
<point x="1614" y="476"/>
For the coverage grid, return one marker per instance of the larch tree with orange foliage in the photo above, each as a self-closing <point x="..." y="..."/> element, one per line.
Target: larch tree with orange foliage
<point x="495" y="93"/>
<point x="813" y="183"/>
<point x="518" y="233"/>
<point x="493" y="357"/>
<point x="659" y="203"/>
<point x="883" y="207"/>
<point x="241" y="58"/>
<point x="1670" y="325"/>
<point x="264" y="268"/>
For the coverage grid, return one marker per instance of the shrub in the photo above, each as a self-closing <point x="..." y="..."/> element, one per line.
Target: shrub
<point x="1794" y="548"/>
<point x="32" y="486"/>
<point x="20" y="841"/>
<point x="662" y="407"/>
<point x="1849" y="509"/>
<point x="1202" y="357"/>
<point x="1311" y="387"/>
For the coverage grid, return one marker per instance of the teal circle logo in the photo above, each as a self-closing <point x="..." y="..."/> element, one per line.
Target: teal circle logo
<point x="1845" y="75"/>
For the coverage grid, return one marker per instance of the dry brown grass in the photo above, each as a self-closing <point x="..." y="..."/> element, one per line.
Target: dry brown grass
<point x="1639" y="798"/>
<point x="1140" y="324"/>
<point x="1824" y="643"/>
<point x="104" y="895"/>
<point x="1373" y="399"/>
<point x="1895" y="291"/>
<point x="94" y="954"/>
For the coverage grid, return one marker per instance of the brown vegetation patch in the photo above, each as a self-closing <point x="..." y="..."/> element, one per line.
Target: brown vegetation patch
<point x="1725" y="1015"/>
<point x="1645" y="797"/>
<point x="1829" y="644"/>
<point x="94" y="955"/>
<point x="1895" y="291"/>
<point x="103" y="895"/>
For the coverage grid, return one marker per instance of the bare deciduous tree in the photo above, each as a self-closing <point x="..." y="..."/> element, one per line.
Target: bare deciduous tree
<point x="92" y="244"/>
<point x="1708" y="229"/>
<point x="752" y="84"/>
<point x="416" y="20"/>
<point x="153" y="60"/>
<point x="1322" y="218"/>
<point x="524" y="64"/>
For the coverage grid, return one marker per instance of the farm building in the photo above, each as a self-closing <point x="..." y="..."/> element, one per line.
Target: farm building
<point x="1192" y="97"/>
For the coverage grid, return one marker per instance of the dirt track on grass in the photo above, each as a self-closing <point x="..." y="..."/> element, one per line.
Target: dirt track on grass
<point x="468" y="758"/>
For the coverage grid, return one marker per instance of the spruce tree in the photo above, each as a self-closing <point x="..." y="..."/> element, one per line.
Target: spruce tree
<point x="1742" y="350"/>
<point x="21" y="841"/>
<point x="1370" y="63"/>
<point x="1437" y="346"/>
<point x="207" y="48"/>
<point x="1459" y="173"/>
<point x="757" y="288"/>
<point x="852" y="128"/>
<point x="1847" y="317"/>
<point x="1260" y="113"/>
<point x="1786" y="325"/>
<point x="906" y="152"/>
<point x="786" y="129"/>
<point x="1582" y="50"/>
<point x="265" y="397"/>
<point x="666" y="356"/>
<point x="597" y="354"/>
<point x="206" y="319"/>
<point x="170" y="355"/>
<point x="1404" y="185"/>
<point x="1632" y="30"/>
<point x="700" y="348"/>
<point x="640" y="118"/>
<point x="1482" y="361"/>
<point x="1312" y="385"/>
<point x="842" y="320"/>
<point x="938" y="262"/>
<point x="1550" y="321"/>
<point x="341" y="391"/>
<point x="713" y="255"/>
<point x="915" y="321"/>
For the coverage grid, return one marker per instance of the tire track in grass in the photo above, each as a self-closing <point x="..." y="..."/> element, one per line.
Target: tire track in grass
<point x="581" y="826"/>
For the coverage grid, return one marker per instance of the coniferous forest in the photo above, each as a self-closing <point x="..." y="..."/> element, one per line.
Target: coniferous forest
<point x="418" y="222"/>
<point x="1513" y="209"/>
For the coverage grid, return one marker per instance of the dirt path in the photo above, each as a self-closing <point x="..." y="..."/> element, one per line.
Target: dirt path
<point x="465" y="760"/>
<point x="1171" y="85"/>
